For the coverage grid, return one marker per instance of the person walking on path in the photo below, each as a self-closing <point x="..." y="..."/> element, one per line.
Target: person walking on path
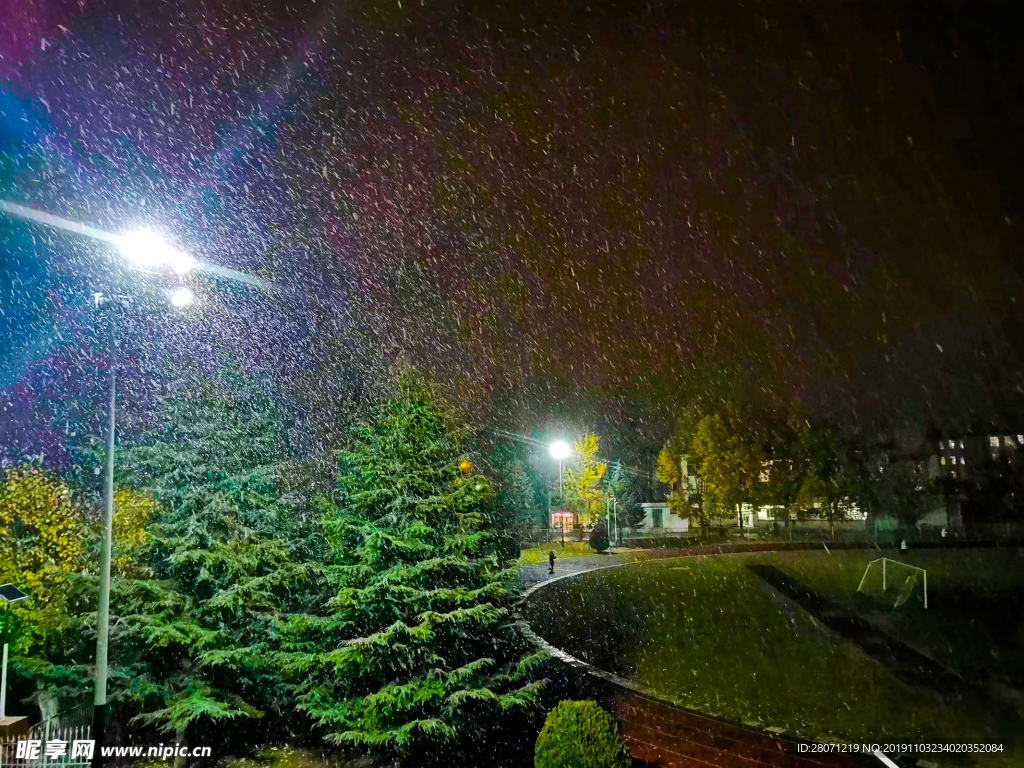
<point x="551" y="562"/>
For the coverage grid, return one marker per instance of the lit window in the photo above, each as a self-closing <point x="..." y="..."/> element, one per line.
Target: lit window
<point x="1020" y="439"/>
<point x="961" y="443"/>
<point x="942" y="446"/>
<point x="993" y="441"/>
<point x="962" y="462"/>
<point x="943" y="459"/>
<point x="953" y="474"/>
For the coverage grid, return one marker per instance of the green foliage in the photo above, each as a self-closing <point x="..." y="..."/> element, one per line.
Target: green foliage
<point x="599" y="537"/>
<point x="215" y="437"/>
<point x="831" y="473"/>
<point x="725" y="449"/>
<point x="623" y="488"/>
<point x="667" y="470"/>
<point x="580" y="734"/>
<point x="208" y="558"/>
<point x="729" y="459"/>
<point x="787" y="462"/>
<point x="416" y="647"/>
<point x="515" y="505"/>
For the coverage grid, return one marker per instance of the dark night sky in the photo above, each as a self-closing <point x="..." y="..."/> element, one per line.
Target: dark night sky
<point x="561" y="208"/>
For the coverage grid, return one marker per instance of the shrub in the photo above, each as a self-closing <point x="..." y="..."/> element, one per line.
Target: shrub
<point x="579" y="734"/>
<point x="508" y="551"/>
<point x="599" y="537"/>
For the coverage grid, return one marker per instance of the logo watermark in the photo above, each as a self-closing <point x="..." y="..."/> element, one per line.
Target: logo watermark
<point x="59" y="750"/>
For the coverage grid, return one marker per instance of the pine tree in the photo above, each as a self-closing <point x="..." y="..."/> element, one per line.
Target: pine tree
<point x="627" y="498"/>
<point x="195" y="605"/>
<point x="418" y="647"/>
<point x="515" y="505"/>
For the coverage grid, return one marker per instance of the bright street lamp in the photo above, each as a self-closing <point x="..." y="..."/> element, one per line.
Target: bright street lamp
<point x="182" y="297"/>
<point x="148" y="249"/>
<point x="560" y="450"/>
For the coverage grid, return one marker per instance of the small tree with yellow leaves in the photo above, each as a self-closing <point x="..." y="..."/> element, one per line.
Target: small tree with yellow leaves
<point x="583" y="485"/>
<point x="41" y="535"/>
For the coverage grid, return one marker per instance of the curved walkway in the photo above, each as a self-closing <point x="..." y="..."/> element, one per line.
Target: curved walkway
<point x="533" y="575"/>
<point x="658" y="731"/>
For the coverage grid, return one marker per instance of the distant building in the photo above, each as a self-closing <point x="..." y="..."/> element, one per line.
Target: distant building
<point x="659" y="520"/>
<point x="955" y="456"/>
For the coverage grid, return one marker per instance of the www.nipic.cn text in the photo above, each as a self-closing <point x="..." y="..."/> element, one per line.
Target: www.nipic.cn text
<point x="84" y="749"/>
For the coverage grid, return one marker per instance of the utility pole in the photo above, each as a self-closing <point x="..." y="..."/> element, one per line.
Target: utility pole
<point x="99" y="712"/>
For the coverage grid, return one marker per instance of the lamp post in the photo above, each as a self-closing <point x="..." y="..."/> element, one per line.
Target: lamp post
<point x="613" y="509"/>
<point x="560" y="450"/>
<point x="149" y="250"/>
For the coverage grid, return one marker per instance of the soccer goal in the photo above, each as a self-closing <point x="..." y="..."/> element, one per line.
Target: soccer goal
<point x="890" y="571"/>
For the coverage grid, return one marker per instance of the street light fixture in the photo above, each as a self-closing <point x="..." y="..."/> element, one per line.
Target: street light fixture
<point x="149" y="250"/>
<point x="182" y="297"/>
<point x="560" y="450"/>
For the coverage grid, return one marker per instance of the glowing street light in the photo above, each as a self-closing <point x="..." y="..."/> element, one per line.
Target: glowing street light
<point x="148" y="249"/>
<point x="560" y="450"/>
<point x="182" y="297"/>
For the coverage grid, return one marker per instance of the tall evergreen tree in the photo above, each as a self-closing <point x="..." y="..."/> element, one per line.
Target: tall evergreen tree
<point x="515" y="505"/>
<point x="195" y="609"/>
<point x="623" y="487"/>
<point x="417" y="648"/>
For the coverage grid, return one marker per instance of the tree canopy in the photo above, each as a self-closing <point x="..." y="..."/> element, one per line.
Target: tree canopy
<point x="415" y="646"/>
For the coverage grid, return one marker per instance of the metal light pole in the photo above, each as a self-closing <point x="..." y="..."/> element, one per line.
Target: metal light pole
<point x="99" y="712"/>
<point x="146" y="249"/>
<point x="560" y="450"/>
<point x="613" y="509"/>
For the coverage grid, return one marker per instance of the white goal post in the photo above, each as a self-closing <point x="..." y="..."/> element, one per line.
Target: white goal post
<point x="908" y="585"/>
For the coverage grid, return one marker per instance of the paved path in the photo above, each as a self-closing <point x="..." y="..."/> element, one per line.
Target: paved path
<point x="535" y="574"/>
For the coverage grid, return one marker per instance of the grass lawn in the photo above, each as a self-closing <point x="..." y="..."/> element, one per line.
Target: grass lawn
<point x="539" y="553"/>
<point x="974" y="623"/>
<point x="709" y="634"/>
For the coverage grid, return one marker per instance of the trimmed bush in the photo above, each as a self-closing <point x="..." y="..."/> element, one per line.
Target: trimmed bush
<point x="599" y="537"/>
<point x="508" y="551"/>
<point x="579" y="734"/>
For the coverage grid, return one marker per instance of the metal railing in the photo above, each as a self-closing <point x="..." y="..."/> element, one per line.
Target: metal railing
<point x="54" y="740"/>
